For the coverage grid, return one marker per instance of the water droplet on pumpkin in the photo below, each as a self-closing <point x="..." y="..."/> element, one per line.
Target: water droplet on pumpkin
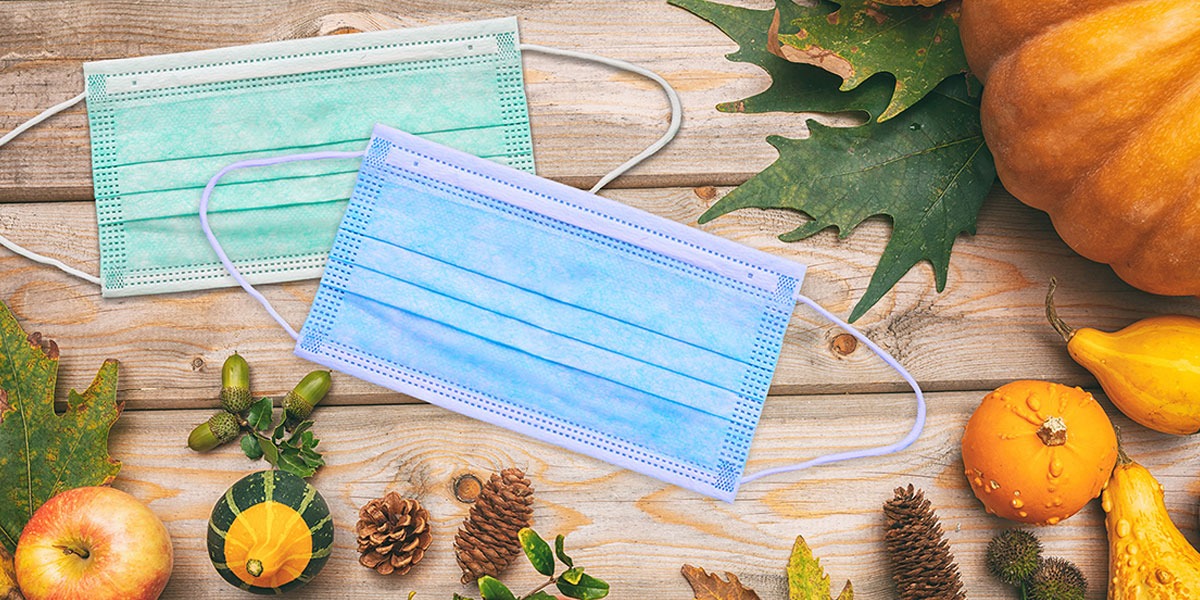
<point x="1123" y="528"/>
<point x="992" y="485"/>
<point x="1053" y="521"/>
<point x="915" y="126"/>
<point x="978" y="481"/>
<point x="1017" y="503"/>
<point x="1022" y="514"/>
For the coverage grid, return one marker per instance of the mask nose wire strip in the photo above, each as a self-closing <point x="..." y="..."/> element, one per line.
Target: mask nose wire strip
<point x="905" y="442"/>
<point x="212" y="238"/>
<point x="30" y="254"/>
<point x="672" y="97"/>
<point x="676" y="119"/>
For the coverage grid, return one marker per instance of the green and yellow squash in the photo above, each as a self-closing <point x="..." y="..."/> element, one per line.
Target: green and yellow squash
<point x="270" y="533"/>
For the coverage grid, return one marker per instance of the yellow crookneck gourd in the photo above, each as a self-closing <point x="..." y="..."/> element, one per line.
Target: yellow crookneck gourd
<point x="1148" y="558"/>
<point x="1150" y="370"/>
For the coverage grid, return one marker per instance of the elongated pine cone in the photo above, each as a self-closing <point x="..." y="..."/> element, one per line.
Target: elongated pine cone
<point x="487" y="541"/>
<point x="922" y="565"/>
<point x="393" y="533"/>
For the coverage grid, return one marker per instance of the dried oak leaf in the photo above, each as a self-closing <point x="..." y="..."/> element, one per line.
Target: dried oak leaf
<point x="43" y="453"/>
<point x="710" y="586"/>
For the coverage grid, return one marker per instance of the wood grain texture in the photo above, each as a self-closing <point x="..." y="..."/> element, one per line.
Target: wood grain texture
<point x="586" y="119"/>
<point x="986" y="329"/>
<point x="625" y="527"/>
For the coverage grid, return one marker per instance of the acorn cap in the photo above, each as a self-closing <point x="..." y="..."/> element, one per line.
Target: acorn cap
<point x="236" y="399"/>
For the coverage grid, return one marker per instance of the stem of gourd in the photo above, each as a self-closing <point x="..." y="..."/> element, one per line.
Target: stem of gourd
<point x="1066" y="331"/>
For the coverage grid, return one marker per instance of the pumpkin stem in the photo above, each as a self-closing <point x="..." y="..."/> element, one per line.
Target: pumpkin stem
<point x="254" y="567"/>
<point x="1122" y="458"/>
<point x="1053" y="432"/>
<point x="1066" y="331"/>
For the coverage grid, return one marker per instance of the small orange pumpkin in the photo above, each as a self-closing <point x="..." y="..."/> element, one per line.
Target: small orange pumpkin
<point x="1037" y="452"/>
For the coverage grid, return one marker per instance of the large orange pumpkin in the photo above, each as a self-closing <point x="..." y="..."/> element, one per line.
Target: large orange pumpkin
<point x="1090" y="109"/>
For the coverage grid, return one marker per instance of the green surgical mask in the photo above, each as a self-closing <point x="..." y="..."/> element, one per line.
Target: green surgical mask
<point x="162" y="125"/>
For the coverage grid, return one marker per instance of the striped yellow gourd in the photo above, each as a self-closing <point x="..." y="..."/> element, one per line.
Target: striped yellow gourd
<point x="270" y="533"/>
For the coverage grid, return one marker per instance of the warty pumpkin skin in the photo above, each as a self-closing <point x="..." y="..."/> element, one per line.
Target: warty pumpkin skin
<point x="1089" y="108"/>
<point x="1037" y="451"/>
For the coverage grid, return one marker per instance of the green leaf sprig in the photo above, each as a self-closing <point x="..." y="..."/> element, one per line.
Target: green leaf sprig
<point x="286" y="442"/>
<point x="572" y="582"/>
<point x="292" y="451"/>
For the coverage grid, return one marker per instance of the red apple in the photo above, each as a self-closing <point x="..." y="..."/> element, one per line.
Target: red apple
<point x="94" y="543"/>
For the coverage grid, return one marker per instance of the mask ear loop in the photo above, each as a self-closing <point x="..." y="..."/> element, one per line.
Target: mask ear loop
<point x="672" y="97"/>
<point x="672" y="129"/>
<point x="30" y="254"/>
<point x="905" y="442"/>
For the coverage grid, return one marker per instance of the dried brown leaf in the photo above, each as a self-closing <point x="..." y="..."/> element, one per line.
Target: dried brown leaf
<point x="710" y="586"/>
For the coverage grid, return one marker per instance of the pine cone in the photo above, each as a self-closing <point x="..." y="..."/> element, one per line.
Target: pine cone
<point x="393" y="533"/>
<point x="487" y="541"/>
<point x="922" y="565"/>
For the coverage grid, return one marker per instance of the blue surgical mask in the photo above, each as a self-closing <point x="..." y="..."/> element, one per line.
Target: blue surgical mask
<point x="555" y="313"/>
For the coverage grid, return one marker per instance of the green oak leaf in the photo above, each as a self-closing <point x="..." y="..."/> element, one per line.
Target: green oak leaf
<point x="929" y="171"/>
<point x="260" y="416"/>
<point x="806" y="577"/>
<point x="587" y="588"/>
<point x="270" y="452"/>
<point x="43" y="453"/>
<point x="919" y="46"/>
<point x="537" y="551"/>
<point x="794" y="87"/>
<point x="250" y="447"/>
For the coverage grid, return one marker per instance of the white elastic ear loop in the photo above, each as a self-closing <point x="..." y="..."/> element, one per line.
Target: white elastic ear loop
<point x="30" y="254"/>
<point x="905" y="442"/>
<point x="676" y="105"/>
<point x="216" y="246"/>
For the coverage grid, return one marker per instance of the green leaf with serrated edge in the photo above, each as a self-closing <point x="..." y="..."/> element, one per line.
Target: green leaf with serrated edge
<point x="806" y="578"/>
<point x="794" y="87"/>
<point x="588" y="588"/>
<point x="289" y="462"/>
<point x="490" y="588"/>
<point x="559" y="543"/>
<point x="929" y="171"/>
<point x="572" y="575"/>
<point x="279" y="433"/>
<point x="918" y="45"/>
<point x="259" y="417"/>
<point x="270" y="452"/>
<point x="250" y="447"/>
<point x="297" y="436"/>
<point x="43" y="453"/>
<point x="537" y="551"/>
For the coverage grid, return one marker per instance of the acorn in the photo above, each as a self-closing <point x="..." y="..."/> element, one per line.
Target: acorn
<point x="299" y="402"/>
<point x="1057" y="579"/>
<point x="1013" y="555"/>
<point x="220" y="428"/>
<point x="235" y="385"/>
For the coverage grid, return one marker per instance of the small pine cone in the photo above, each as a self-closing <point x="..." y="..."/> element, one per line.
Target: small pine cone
<point x="393" y="533"/>
<point x="922" y="565"/>
<point x="487" y="541"/>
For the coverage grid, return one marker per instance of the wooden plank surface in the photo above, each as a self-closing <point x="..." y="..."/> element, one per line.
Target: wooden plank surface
<point x="987" y="328"/>
<point x="625" y="527"/>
